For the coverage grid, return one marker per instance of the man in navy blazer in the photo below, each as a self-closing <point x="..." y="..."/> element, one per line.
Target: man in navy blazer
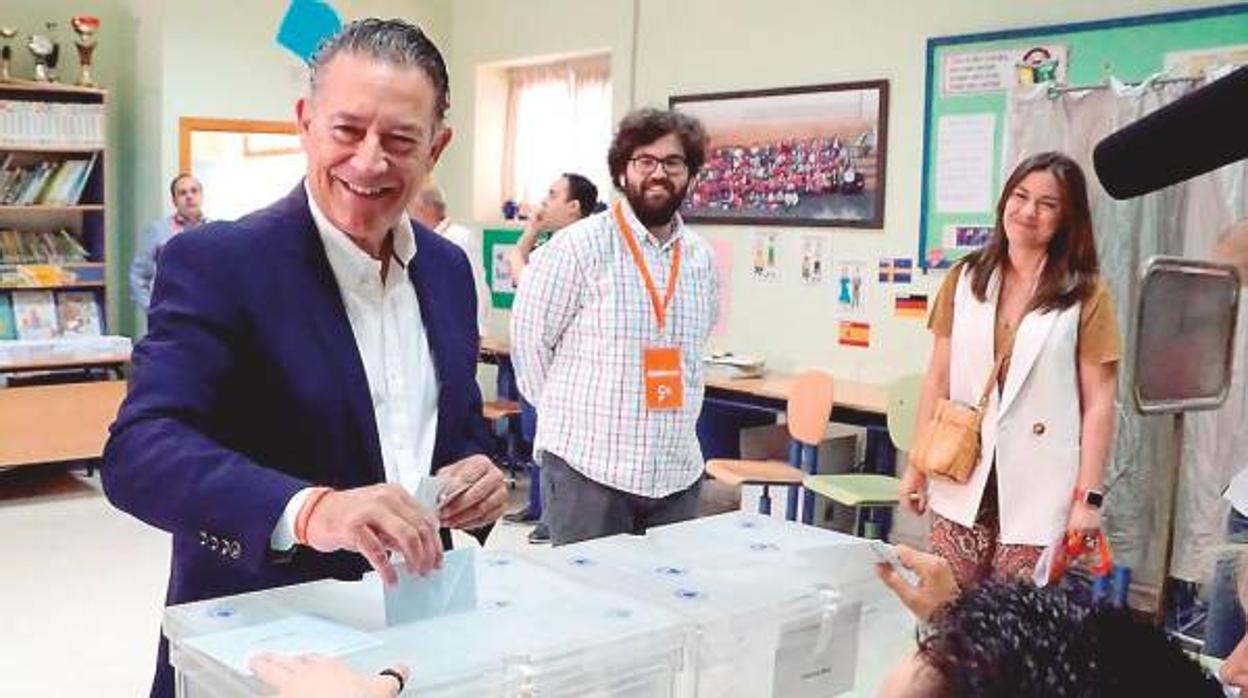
<point x="310" y="364"/>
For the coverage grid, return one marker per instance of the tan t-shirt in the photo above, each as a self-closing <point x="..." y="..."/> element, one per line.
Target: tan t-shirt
<point x="1098" y="329"/>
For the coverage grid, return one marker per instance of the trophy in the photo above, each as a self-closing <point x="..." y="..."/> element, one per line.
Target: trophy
<point x="6" y="53"/>
<point x="85" y="26"/>
<point x="43" y="49"/>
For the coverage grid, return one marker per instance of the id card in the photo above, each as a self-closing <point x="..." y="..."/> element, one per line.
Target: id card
<point x="663" y="377"/>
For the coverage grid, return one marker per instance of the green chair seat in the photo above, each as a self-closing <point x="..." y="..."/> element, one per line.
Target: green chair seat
<point x="856" y="490"/>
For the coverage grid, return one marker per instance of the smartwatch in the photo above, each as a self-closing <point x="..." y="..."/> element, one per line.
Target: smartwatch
<point x="1091" y="497"/>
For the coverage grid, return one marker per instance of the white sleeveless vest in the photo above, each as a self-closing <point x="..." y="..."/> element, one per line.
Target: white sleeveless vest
<point x="1032" y="426"/>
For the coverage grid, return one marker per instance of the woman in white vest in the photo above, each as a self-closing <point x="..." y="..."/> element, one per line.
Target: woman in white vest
<point x="1033" y="299"/>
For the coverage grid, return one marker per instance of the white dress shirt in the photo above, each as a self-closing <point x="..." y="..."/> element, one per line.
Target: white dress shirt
<point x="470" y="242"/>
<point x="390" y="335"/>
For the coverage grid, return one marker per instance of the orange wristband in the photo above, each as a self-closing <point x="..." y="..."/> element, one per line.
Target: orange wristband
<point x="305" y="513"/>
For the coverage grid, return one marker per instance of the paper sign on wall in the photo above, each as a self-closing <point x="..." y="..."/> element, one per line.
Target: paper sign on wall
<point x="305" y="25"/>
<point x="814" y="262"/>
<point x="913" y="306"/>
<point x="765" y="259"/>
<point x="721" y="249"/>
<point x="851" y="279"/>
<point x="965" y="150"/>
<point x="996" y="70"/>
<point x="896" y="270"/>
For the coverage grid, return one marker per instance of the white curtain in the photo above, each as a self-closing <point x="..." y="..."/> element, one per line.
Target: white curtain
<point x="558" y="120"/>
<point x="1184" y="219"/>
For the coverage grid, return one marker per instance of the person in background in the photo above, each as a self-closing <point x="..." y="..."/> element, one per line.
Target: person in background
<point x="188" y="200"/>
<point x="428" y="208"/>
<point x="1012" y="639"/>
<point x="311" y="367"/>
<point x="608" y="331"/>
<point x="1031" y="302"/>
<point x="1225" y="626"/>
<point x="570" y="198"/>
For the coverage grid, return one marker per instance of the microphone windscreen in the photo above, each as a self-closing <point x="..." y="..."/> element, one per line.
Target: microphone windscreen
<point x="1196" y="133"/>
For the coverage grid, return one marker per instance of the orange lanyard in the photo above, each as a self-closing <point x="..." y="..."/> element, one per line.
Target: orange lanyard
<point x="660" y="307"/>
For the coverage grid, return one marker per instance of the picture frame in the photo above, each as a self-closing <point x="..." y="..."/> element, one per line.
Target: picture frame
<point x="813" y="155"/>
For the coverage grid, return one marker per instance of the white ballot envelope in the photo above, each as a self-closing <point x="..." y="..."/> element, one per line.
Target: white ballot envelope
<point x="452" y="589"/>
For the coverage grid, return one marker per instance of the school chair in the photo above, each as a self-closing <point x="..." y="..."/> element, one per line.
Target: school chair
<point x="866" y="491"/>
<point x="807" y="412"/>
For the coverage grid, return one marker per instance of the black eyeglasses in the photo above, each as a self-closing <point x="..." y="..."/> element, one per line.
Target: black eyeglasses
<point x="672" y="164"/>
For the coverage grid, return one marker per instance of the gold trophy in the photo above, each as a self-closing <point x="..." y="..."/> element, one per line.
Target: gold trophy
<point x="6" y="52"/>
<point x="85" y="26"/>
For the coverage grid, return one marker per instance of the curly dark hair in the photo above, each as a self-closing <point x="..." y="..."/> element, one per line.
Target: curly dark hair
<point x="1018" y="641"/>
<point x="645" y="126"/>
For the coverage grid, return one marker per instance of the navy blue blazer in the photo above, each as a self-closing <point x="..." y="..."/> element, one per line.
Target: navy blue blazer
<point x="249" y="387"/>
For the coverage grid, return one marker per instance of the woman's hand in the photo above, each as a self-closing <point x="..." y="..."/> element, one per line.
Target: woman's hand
<point x="1084" y="519"/>
<point x="914" y="490"/>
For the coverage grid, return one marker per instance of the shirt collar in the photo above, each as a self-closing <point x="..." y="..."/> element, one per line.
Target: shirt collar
<point x="678" y="228"/>
<point x="350" y="264"/>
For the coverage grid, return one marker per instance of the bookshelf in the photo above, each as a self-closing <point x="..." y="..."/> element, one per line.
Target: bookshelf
<point x="61" y="373"/>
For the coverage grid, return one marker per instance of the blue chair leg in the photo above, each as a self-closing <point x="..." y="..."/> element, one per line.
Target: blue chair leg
<point x="790" y="508"/>
<point x="764" y="502"/>
<point x="810" y="463"/>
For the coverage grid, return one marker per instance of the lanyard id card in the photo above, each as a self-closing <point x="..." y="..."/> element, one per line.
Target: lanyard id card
<point x="662" y="372"/>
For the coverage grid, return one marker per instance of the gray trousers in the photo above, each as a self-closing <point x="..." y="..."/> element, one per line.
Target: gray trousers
<point x="576" y="508"/>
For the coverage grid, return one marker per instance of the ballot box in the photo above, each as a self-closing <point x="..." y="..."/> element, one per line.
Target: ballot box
<point x="780" y="609"/>
<point x="509" y="627"/>
<point x="725" y="606"/>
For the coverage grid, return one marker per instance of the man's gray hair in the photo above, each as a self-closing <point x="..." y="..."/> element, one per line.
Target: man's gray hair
<point x="392" y="41"/>
<point x="434" y="198"/>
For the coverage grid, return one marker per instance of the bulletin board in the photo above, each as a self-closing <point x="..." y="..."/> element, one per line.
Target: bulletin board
<point x="968" y="78"/>
<point x="496" y="243"/>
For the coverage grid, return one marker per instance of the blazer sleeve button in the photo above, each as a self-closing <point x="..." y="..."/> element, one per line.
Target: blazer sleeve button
<point x="1038" y="428"/>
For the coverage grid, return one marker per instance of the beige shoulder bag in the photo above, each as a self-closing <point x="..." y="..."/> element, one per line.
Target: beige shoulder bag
<point x="948" y="446"/>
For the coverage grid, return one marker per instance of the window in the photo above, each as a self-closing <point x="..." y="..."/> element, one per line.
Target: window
<point x="558" y="120"/>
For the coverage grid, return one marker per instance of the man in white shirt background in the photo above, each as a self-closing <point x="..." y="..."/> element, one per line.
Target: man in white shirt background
<point x="428" y="208"/>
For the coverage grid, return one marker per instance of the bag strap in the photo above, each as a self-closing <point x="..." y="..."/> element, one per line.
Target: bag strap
<point x="992" y="379"/>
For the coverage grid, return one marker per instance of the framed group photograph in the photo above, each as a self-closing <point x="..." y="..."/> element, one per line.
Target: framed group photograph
<point x="795" y="156"/>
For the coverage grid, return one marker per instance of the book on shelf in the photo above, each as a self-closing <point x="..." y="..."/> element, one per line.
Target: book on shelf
<point x="8" y="324"/>
<point x="35" y="312"/>
<point x="78" y="314"/>
<point x="46" y="183"/>
<point x="40" y="247"/>
<point x="52" y="124"/>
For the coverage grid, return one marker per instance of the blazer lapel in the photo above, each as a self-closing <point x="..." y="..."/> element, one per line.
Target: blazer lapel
<point x="424" y="275"/>
<point x="322" y="300"/>
<point x="1033" y="331"/>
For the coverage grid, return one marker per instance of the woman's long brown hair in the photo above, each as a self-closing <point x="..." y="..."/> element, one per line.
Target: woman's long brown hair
<point x="1070" y="274"/>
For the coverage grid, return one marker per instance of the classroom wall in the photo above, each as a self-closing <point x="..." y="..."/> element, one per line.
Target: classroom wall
<point x="718" y="45"/>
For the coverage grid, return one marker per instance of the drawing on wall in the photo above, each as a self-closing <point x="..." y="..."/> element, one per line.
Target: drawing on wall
<point x="814" y="262"/>
<point x="851" y="279"/>
<point x="854" y="334"/>
<point x="896" y="270"/>
<point x="765" y="259"/>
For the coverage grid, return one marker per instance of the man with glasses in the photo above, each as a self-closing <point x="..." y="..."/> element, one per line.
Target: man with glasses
<point x="608" y="330"/>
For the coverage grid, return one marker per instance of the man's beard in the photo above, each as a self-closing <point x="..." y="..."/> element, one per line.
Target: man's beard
<point x="653" y="215"/>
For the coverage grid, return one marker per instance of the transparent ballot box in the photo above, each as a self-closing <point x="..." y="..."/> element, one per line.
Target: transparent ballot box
<point x="528" y="631"/>
<point x="737" y="605"/>
<point x="779" y="608"/>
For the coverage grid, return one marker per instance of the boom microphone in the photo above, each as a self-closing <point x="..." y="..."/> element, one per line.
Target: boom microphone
<point x="1196" y="133"/>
